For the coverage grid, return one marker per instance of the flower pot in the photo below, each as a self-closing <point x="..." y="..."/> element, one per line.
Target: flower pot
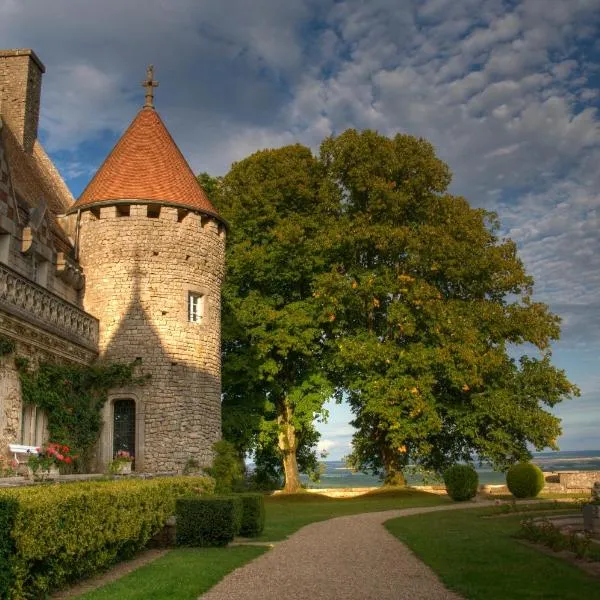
<point x="124" y="468"/>
<point x="51" y="472"/>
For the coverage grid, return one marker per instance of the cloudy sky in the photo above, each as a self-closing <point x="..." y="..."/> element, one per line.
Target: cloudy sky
<point x="507" y="90"/>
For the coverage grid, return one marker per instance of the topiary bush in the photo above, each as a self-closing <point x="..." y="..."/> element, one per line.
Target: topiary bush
<point x="52" y="535"/>
<point x="525" y="480"/>
<point x="461" y="482"/>
<point x="253" y="514"/>
<point x="208" y="521"/>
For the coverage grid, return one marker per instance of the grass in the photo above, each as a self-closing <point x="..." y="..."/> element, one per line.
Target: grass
<point x="288" y="513"/>
<point x="181" y="574"/>
<point x="481" y="559"/>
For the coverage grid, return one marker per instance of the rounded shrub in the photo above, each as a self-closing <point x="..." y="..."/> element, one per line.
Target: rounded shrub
<point x="525" y="480"/>
<point x="461" y="482"/>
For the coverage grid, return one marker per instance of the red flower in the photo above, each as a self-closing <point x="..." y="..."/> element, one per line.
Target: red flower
<point x="68" y="460"/>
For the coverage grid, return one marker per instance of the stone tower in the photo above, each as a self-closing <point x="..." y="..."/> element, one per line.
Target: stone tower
<point x="152" y="248"/>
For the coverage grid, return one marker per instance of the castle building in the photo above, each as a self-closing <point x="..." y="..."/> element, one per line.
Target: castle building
<point x="131" y="270"/>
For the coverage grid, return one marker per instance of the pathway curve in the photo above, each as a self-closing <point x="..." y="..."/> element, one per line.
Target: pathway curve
<point x="345" y="558"/>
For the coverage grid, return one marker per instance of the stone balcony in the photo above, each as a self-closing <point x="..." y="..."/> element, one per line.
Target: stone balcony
<point x="36" y="305"/>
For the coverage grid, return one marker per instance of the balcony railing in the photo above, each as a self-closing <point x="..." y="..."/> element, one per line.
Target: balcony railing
<point x="21" y="297"/>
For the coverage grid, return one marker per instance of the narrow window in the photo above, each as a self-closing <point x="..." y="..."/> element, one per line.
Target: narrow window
<point x="124" y="426"/>
<point x="123" y="210"/>
<point x="195" y="307"/>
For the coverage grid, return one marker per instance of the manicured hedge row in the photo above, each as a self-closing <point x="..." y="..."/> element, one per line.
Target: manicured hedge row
<point x="52" y="535"/>
<point x="253" y="514"/>
<point x="216" y="520"/>
<point x="208" y="521"/>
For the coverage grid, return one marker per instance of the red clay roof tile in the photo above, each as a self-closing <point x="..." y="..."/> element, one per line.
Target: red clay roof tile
<point x="146" y="165"/>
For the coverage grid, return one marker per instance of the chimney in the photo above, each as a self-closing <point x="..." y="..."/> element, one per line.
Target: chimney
<point x="20" y="90"/>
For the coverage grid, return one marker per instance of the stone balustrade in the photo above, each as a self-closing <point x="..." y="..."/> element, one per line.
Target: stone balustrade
<point x="23" y="298"/>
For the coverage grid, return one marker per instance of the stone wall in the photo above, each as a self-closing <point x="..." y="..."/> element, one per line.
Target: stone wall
<point x="139" y="272"/>
<point x="20" y="91"/>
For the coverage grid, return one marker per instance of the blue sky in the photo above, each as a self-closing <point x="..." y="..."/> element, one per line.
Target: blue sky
<point x="507" y="90"/>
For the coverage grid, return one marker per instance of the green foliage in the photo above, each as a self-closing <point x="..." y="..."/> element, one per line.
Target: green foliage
<point x="461" y="482"/>
<point x="227" y="468"/>
<point x="356" y="274"/>
<point x="8" y="512"/>
<point x="72" y="397"/>
<point x="253" y="514"/>
<point x="65" y="532"/>
<point x="7" y="346"/>
<point x="274" y="384"/>
<point x="525" y="480"/>
<point x="423" y="299"/>
<point x="208" y="521"/>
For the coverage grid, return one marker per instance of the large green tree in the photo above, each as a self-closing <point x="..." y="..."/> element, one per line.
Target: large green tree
<point x="273" y="344"/>
<point x="426" y="306"/>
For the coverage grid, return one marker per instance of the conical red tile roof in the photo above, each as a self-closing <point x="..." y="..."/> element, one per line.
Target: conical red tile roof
<point x="146" y="165"/>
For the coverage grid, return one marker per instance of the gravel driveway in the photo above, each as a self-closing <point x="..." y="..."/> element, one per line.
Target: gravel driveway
<point x="346" y="558"/>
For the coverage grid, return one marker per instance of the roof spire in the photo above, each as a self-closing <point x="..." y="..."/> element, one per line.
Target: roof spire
<point x="149" y="84"/>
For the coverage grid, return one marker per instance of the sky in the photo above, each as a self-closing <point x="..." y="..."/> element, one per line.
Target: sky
<point x="508" y="91"/>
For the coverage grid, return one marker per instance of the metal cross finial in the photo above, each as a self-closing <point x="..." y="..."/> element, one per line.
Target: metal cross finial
<point x="149" y="84"/>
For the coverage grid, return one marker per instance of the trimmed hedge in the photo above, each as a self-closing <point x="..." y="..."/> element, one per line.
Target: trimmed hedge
<point x="525" y="480"/>
<point x="461" y="482"/>
<point x="253" y="514"/>
<point x="52" y="535"/>
<point x="208" y="521"/>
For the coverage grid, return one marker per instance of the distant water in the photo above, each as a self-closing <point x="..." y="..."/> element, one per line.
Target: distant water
<point x="337" y="475"/>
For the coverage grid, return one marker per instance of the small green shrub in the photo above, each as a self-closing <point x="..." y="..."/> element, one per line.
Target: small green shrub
<point x="253" y="514"/>
<point x="525" y="480"/>
<point x="208" y="521"/>
<point x="461" y="482"/>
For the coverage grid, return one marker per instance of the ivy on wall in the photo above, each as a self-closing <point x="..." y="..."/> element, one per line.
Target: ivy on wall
<point x="7" y="346"/>
<point x="72" y="397"/>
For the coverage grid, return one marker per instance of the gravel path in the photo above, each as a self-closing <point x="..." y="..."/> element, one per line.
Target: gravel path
<point x="346" y="558"/>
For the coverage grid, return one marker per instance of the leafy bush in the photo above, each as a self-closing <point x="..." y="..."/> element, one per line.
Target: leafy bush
<point x="53" y="535"/>
<point x="208" y="521"/>
<point x="525" y="480"/>
<point x="461" y="482"/>
<point x="227" y="468"/>
<point x="253" y="514"/>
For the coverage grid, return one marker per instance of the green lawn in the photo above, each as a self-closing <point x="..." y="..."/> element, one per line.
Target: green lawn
<point x="480" y="559"/>
<point x="288" y="513"/>
<point x="182" y="574"/>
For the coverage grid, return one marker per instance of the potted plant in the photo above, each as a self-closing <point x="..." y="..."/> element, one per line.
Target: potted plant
<point x="591" y="511"/>
<point x="121" y="463"/>
<point x="45" y="464"/>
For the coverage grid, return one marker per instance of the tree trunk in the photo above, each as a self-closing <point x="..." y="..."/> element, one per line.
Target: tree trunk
<point x="393" y="471"/>
<point x="288" y="446"/>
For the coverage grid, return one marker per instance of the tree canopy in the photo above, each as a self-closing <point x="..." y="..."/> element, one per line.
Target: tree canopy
<point x="357" y="272"/>
<point x="273" y="381"/>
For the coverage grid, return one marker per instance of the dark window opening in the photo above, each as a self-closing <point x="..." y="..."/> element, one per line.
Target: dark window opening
<point x="124" y="426"/>
<point x="123" y="210"/>
<point x="153" y="211"/>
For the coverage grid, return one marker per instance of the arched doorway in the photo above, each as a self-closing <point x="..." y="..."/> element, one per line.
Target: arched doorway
<point x="124" y="425"/>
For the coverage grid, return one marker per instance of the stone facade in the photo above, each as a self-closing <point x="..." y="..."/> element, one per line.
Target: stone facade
<point x="140" y="271"/>
<point x="109" y="282"/>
